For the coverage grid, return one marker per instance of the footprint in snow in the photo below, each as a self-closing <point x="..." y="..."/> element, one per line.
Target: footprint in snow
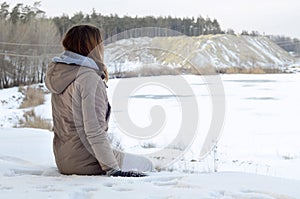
<point x="266" y="195"/>
<point x="79" y="195"/>
<point x="122" y="189"/>
<point x="5" y="188"/>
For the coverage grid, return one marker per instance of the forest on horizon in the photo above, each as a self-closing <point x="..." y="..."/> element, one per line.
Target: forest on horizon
<point x="29" y="38"/>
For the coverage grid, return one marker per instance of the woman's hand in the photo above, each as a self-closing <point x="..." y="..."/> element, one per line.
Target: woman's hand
<point x="119" y="173"/>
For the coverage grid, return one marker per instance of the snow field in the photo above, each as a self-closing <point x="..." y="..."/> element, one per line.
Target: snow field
<point x="258" y="154"/>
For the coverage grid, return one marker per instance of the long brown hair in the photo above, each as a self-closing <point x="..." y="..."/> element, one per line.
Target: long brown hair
<point x="86" y="40"/>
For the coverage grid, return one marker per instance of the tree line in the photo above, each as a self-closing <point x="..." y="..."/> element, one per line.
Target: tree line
<point x="28" y="39"/>
<point x="291" y="45"/>
<point x="114" y="24"/>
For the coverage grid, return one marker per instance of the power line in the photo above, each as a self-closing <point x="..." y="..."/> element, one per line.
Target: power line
<point x="33" y="56"/>
<point x="293" y="42"/>
<point x="285" y="43"/>
<point x="56" y="45"/>
<point x="26" y="44"/>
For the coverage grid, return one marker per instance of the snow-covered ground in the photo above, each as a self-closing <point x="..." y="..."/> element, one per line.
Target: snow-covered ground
<point x="258" y="154"/>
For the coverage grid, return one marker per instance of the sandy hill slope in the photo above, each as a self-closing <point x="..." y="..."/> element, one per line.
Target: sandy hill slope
<point x="219" y="51"/>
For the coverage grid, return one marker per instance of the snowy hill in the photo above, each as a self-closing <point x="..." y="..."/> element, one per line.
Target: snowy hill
<point x="219" y="51"/>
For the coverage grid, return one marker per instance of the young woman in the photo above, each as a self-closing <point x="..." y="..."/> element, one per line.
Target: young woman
<point x="81" y="110"/>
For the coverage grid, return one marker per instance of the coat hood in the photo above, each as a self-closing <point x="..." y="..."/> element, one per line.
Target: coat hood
<point x="59" y="76"/>
<point x="63" y="70"/>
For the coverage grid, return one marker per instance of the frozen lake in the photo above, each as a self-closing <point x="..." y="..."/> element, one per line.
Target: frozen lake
<point x="261" y="130"/>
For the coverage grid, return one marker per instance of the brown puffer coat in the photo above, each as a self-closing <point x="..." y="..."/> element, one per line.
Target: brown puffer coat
<point x="80" y="112"/>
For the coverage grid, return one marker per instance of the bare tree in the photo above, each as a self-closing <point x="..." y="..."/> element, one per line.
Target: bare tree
<point x="26" y="48"/>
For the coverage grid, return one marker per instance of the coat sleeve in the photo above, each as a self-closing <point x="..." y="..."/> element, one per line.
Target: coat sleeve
<point x="94" y="109"/>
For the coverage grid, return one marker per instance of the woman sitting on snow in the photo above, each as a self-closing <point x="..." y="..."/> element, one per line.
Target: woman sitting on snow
<point x="81" y="110"/>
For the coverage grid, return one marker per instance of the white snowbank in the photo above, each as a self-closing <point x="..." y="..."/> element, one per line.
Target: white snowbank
<point x="27" y="170"/>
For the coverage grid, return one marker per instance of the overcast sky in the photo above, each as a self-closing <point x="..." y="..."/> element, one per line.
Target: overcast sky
<point x="266" y="16"/>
